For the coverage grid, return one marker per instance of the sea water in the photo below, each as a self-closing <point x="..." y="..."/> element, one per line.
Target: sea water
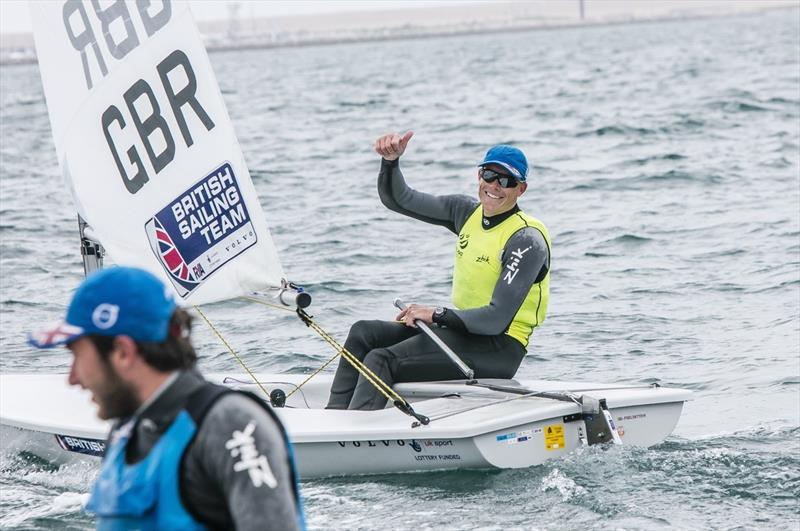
<point x="665" y="160"/>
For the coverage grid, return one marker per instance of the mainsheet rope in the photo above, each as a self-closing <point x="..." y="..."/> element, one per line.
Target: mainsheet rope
<point x="365" y="371"/>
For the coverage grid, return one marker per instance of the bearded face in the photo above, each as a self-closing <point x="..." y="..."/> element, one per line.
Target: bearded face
<point x="114" y="397"/>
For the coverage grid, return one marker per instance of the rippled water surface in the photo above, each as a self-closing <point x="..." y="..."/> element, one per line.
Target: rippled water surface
<point x="666" y="165"/>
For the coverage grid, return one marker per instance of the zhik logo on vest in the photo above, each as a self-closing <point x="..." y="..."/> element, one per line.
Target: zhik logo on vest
<point x="513" y="264"/>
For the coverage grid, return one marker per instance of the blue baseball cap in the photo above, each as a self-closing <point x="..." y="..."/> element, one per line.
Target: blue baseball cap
<point x="118" y="301"/>
<point x="509" y="157"/>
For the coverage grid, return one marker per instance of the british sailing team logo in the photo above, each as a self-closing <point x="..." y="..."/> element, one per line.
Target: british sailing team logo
<point x="201" y="230"/>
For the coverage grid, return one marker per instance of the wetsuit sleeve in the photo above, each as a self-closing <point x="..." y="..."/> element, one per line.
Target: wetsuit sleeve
<point x="236" y="472"/>
<point x="525" y="261"/>
<point x="449" y="211"/>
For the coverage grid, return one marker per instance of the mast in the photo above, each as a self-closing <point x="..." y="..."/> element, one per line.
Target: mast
<point x="91" y="250"/>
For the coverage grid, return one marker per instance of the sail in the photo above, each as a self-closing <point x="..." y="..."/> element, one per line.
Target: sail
<point x="147" y="148"/>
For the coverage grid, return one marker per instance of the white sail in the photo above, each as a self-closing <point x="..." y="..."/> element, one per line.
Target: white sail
<point x="146" y="145"/>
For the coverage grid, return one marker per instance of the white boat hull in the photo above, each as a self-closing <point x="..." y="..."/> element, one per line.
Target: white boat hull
<point x="471" y="427"/>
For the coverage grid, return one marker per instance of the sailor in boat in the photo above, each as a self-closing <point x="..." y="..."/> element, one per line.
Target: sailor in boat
<point x="184" y="453"/>
<point x="500" y="287"/>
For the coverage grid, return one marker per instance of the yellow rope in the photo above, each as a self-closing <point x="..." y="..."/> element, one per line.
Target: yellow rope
<point x="293" y="391"/>
<point x="370" y="376"/>
<point x="365" y="371"/>
<point x="265" y="303"/>
<point x="230" y="349"/>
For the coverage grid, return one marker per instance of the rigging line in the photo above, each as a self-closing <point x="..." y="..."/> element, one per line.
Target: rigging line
<point x="324" y="365"/>
<point x="383" y="388"/>
<point x="297" y="387"/>
<point x="288" y="384"/>
<point x="370" y="376"/>
<point x="366" y="372"/>
<point x="487" y="404"/>
<point x="230" y="349"/>
<point x="265" y="303"/>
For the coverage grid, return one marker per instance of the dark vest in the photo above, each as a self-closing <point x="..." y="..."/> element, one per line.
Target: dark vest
<point x="147" y="494"/>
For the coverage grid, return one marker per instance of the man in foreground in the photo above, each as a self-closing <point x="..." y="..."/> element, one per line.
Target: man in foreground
<point x="183" y="453"/>
<point x="500" y="289"/>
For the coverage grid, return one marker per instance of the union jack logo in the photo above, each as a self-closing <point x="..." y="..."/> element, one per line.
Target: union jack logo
<point x="170" y="256"/>
<point x="55" y="335"/>
<point x="172" y="259"/>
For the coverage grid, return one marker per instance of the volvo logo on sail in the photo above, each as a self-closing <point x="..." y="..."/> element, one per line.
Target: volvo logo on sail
<point x="201" y="229"/>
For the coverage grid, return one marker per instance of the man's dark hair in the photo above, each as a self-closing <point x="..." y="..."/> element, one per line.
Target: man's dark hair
<point x="175" y="352"/>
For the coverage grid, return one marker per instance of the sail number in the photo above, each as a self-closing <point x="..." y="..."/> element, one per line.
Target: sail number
<point x="114" y="120"/>
<point x="177" y="84"/>
<point x="82" y="37"/>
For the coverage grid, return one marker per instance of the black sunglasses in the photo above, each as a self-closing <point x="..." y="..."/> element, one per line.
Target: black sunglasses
<point x="506" y="181"/>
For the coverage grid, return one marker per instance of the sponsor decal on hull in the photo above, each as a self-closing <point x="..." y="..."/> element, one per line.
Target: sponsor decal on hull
<point x="428" y="449"/>
<point x="437" y="458"/>
<point x="637" y="416"/>
<point x="516" y="437"/>
<point x="80" y="445"/>
<point x="372" y="444"/>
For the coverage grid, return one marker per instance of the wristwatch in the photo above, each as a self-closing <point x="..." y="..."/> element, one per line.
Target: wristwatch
<point x="438" y="314"/>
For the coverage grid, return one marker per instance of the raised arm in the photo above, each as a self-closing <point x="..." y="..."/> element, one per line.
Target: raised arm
<point x="449" y="211"/>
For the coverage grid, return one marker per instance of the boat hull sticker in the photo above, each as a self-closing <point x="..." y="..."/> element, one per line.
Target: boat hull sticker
<point x="81" y="445"/>
<point x="554" y="437"/>
<point x="516" y="436"/>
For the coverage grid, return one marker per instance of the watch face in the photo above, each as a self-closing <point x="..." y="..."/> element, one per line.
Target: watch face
<point x="438" y="312"/>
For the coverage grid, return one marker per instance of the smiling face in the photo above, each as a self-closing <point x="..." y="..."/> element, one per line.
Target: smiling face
<point x="494" y="198"/>
<point x="114" y="397"/>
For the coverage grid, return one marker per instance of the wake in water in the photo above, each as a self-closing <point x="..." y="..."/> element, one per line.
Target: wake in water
<point x="37" y="495"/>
<point x="756" y="471"/>
<point x="681" y="483"/>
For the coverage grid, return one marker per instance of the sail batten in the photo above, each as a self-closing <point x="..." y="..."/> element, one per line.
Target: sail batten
<point x="147" y="148"/>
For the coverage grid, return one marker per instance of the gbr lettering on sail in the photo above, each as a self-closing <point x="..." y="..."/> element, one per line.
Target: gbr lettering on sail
<point x="146" y="145"/>
<point x="141" y="108"/>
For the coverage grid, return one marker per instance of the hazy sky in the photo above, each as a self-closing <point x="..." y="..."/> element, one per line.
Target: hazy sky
<point x="14" y="16"/>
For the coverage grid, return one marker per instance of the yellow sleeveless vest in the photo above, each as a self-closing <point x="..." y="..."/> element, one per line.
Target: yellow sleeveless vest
<point x="477" y="269"/>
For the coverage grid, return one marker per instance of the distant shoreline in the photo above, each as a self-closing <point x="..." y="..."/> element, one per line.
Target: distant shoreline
<point x="422" y="34"/>
<point x="27" y="56"/>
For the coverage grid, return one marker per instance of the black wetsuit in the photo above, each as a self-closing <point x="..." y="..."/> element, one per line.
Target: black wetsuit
<point x="397" y="353"/>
